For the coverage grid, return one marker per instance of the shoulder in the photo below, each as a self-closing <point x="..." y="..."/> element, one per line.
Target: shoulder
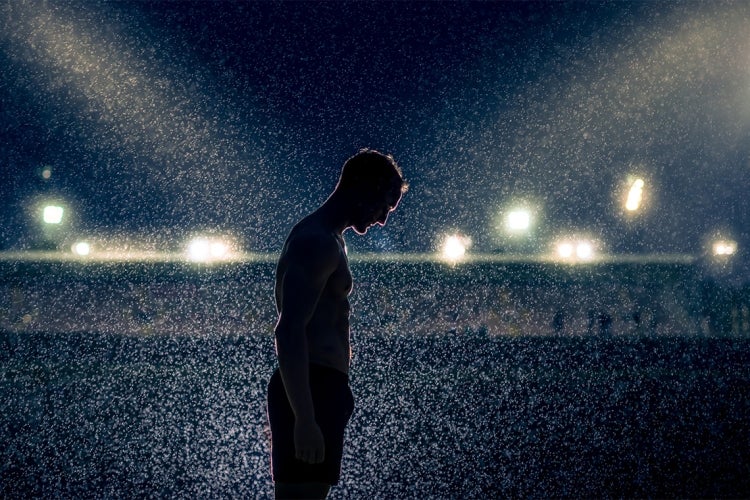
<point x="312" y="248"/>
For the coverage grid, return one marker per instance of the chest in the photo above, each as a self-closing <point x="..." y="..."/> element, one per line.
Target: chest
<point x="340" y="282"/>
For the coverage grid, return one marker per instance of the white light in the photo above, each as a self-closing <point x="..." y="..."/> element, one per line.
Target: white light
<point x="584" y="250"/>
<point x="565" y="250"/>
<point x="518" y="220"/>
<point x="82" y="248"/>
<point x="576" y="250"/>
<point x="454" y="247"/>
<point x="218" y="250"/>
<point x="724" y="248"/>
<point x="199" y="250"/>
<point x="207" y="250"/>
<point x="53" y="214"/>
<point x="635" y="195"/>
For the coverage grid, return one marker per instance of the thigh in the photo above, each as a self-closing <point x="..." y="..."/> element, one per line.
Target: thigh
<point x="333" y="402"/>
<point x="301" y="490"/>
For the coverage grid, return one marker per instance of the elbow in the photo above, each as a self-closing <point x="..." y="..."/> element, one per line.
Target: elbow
<point x="290" y="339"/>
<point x="289" y="328"/>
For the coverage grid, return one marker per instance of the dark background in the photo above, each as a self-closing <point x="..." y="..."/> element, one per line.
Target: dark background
<point x="160" y="119"/>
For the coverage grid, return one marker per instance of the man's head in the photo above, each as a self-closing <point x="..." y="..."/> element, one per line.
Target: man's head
<point x="374" y="183"/>
<point x="371" y="173"/>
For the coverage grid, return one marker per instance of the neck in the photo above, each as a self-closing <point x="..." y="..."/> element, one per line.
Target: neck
<point x="334" y="213"/>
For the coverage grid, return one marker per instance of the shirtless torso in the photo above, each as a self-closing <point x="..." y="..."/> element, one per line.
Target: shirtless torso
<point x="327" y="330"/>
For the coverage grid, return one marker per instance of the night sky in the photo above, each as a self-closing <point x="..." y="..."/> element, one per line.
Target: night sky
<point x="160" y="119"/>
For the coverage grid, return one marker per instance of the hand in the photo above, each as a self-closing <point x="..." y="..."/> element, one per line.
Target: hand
<point x="309" y="445"/>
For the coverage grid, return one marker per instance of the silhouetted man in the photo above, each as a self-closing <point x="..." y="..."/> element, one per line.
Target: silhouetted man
<point x="309" y="399"/>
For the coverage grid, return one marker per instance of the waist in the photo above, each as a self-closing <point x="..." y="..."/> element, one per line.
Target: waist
<point x="320" y="370"/>
<point x="329" y="348"/>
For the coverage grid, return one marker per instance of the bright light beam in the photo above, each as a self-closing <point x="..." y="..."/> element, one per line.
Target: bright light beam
<point x="204" y="249"/>
<point x="132" y="102"/>
<point x="576" y="250"/>
<point x="454" y="247"/>
<point x="635" y="196"/>
<point x="584" y="250"/>
<point x="53" y="214"/>
<point x="724" y="248"/>
<point x="518" y="221"/>
<point x="565" y="250"/>
<point x="82" y="248"/>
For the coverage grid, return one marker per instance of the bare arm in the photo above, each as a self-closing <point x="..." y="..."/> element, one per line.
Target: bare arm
<point x="310" y="262"/>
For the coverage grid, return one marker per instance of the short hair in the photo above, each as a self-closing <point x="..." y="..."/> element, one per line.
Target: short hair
<point x="370" y="171"/>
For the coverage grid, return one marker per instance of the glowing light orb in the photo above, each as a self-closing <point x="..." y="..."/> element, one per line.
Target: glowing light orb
<point x="565" y="250"/>
<point x="52" y="214"/>
<point x="724" y="248"/>
<point x="454" y="247"/>
<point x="82" y="248"/>
<point x="576" y="250"/>
<point x="208" y="250"/>
<point x="584" y="250"/>
<point x="518" y="221"/>
<point x="635" y="196"/>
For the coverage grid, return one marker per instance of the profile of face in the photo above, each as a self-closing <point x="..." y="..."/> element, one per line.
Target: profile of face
<point x="375" y="211"/>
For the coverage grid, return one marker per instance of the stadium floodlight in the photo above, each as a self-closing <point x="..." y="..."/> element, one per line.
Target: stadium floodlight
<point x="52" y="220"/>
<point x="576" y="250"/>
<point x="635" y="195"/>
<point x="206" y="249"/>
<point x="565" y="250"/>
<point x="52" y="214"/>
<point x="454" y="247"/>
<point x="584" y="250"/>
<point x="518" y="221"/>
<point x="724" y="248"/>
<point x="82" y="248"/>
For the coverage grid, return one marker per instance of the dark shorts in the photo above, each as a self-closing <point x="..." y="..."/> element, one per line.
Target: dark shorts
<point x="333" y="403"/>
